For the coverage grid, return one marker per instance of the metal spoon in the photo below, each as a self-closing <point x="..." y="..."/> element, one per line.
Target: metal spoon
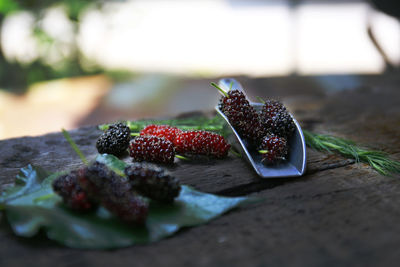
<point x="294" y="165"/>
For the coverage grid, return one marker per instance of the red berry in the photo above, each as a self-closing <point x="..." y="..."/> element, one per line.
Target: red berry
<point x="152" y="149"/>
<point x="275" y="149"/>
<point x="202" y="143"/>
<point x="166" y="131"/>
<point x="242" y="116"/>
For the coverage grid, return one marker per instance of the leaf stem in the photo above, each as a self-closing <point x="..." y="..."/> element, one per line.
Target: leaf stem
<point x="44" y="197"/>
<point x="260" y="99"/>
<point x="182" y="157"/>
<point x="74" y="146"/>
<point x="222" y="91"/>
<point x="237" y="154"/>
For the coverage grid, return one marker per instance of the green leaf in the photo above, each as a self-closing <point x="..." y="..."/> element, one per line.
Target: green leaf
<point x="32" y="206"/>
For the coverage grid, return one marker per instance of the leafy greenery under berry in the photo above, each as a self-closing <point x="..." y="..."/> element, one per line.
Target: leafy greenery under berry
<point x="31" y="205"/>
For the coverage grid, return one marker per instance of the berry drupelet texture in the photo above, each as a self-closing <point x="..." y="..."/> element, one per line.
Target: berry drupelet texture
<point x="152" y="148"/>
<point x="202" y="143"/>
<point x="166" y="131"/>
<point x="152" y="182"/>
<point x="115" y="140"/>
<point x="274" y="149"/>
<point x="114" y="193"/>
<point x="72" y="193"/>
<point x="276" y="119"/>
<point x="242" y="116"/>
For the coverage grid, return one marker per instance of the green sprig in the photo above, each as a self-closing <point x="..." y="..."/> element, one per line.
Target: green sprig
<point x="74" y="146"/>
<point x="222" y="91"/>
<point x="378" y="160"/>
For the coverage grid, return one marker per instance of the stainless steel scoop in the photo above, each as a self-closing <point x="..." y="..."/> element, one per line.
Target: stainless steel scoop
<point x="294" y="165"/>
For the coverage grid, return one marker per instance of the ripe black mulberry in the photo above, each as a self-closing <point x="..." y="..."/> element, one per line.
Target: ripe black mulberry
<point x="274" y="149"/>
<point x="277" y="120"/>
<point x="73" y="195"/>
<point x="115" y="140"/>
<point x="114" y="193"/>
<point x="152" y="182"/>
<point x="242" y="116"/>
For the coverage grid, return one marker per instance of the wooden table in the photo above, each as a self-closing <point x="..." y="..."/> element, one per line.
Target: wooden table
<point x="339" y="214"/>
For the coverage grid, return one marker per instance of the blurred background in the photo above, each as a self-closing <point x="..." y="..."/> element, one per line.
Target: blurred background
<point x="69" y="63"/>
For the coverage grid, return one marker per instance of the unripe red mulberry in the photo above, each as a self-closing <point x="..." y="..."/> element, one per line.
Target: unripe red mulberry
<point x="202" y="143"/>
<point x="152" y="149"/>
<point x="166" y="131"/>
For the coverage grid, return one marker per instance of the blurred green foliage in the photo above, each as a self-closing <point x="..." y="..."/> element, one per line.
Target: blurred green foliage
<point x="18" y="76"/>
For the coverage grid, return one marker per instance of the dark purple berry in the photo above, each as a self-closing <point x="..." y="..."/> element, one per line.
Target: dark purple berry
<point x="277" y="120"/>
<point x="242" y="116"/>
<point x="115" y="140"/>
<point x="72" y="193"/>
<point x="274" y="149"/>
<point x="152" y="182"/>
<point x="114" y="193"/>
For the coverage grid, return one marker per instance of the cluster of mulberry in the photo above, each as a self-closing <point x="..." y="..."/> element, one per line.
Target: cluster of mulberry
<point x="269" y="131"/>
<point x="159" y="143"/>
<point x="124" y="196"/>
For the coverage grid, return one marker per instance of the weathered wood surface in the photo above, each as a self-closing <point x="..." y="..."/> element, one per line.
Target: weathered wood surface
<point x="339" y="214"/>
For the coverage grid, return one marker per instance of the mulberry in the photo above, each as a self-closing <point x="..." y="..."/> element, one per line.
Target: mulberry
<point x="277" y="120"/>
<point x="72" y="193"/>
<point x="114" y="193"/>
<point x="242" y="116"/>
<point x="202" y="143"/>
<point x="115" y="140"/>
<point x="274" y="149"/>
<point x="152" y="149"/>
<point x="166" y="131"/>
<point x="153" y="182"/>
